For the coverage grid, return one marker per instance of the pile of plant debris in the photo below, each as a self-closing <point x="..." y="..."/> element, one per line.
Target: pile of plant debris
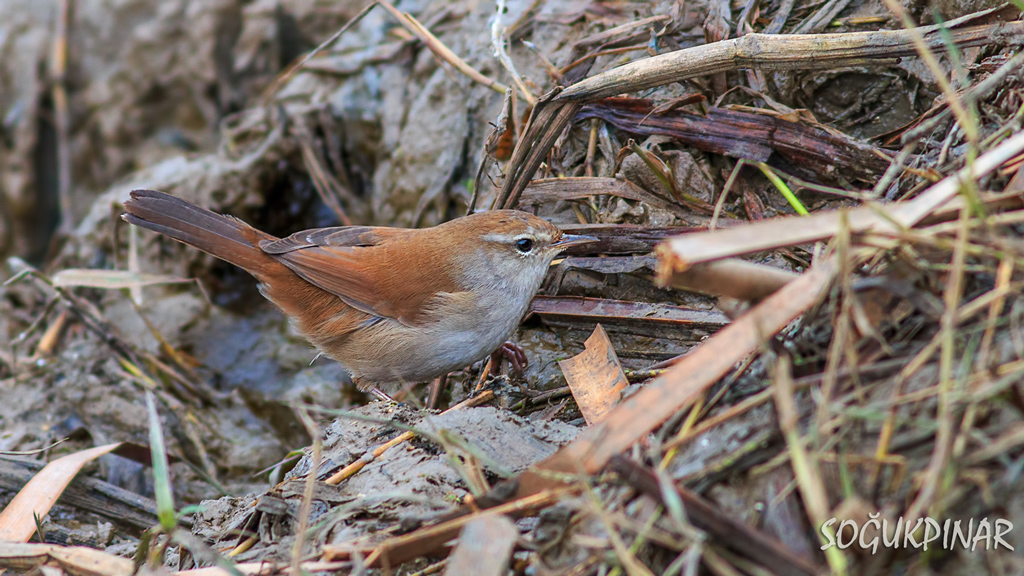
<point x="796" y="348"/>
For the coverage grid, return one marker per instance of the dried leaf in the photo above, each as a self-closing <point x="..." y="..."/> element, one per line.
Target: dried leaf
<point x="75" y="560"/>
<point x="595" y="377"/>
<point x="17" y="521"/>
<point x="111" y="279"/>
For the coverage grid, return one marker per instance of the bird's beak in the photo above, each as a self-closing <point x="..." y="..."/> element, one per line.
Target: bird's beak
<point x="568" y="240"/>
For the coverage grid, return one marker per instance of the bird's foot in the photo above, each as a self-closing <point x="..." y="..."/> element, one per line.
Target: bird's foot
<point x="368" y="387"/>
<point x="383" y="396"/>
<point x="511" y="352"/>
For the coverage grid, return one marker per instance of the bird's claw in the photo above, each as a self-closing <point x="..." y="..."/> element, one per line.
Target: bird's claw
<point x="511" y="352"/>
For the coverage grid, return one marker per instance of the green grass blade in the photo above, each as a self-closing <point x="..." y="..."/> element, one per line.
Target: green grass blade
<point x="783" y="189"/>
<point x="161" y="473"/>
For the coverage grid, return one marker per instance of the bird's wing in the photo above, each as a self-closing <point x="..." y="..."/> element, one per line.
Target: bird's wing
<point x="368" y="268"/>
<point x="341" y="236"/>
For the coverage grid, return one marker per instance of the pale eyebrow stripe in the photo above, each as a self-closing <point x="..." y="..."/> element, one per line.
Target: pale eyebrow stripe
<point x="494" y="237"/>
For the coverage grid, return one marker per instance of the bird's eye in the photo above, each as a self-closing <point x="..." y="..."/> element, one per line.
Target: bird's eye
<point x="524" y="245"/>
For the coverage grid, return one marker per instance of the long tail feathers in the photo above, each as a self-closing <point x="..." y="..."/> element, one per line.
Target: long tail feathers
<point x="225" y="237"/>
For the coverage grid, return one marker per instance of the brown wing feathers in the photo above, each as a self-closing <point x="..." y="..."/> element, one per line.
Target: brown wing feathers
<point x="344" y="236"/>
<point x="379" y="279"/>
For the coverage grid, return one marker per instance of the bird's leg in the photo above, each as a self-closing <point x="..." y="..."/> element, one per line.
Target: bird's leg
<point x="435" y="389"/>
<point x="513" y="353"/>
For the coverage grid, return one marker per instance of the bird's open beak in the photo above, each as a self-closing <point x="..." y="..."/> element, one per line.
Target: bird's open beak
<point x="572" y="240"/>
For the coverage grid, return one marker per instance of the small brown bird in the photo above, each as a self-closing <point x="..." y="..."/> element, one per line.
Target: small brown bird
<point x="393" y="305"/>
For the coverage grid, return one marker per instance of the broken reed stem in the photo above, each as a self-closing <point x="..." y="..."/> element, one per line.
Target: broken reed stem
<point x="439" y="49"/>
<point x="785" y="52"/>
<point x="484" y="373"/>
<point x="358" y="465"/>
<point x="547" y="120"/>
<point x="135" y="292"/>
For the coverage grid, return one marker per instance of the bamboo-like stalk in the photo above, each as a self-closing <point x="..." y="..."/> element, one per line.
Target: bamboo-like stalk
<point x="787" y="52"/>
<point x="682" y="252"/>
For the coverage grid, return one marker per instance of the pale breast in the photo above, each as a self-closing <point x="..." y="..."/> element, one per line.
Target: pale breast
<point x="463" y="330"/>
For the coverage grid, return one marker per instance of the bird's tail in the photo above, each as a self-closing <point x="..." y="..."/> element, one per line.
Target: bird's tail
<point x="222" y="236"/>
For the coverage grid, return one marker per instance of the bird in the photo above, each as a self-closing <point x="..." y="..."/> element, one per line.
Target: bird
<point x="395" y="306"/>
